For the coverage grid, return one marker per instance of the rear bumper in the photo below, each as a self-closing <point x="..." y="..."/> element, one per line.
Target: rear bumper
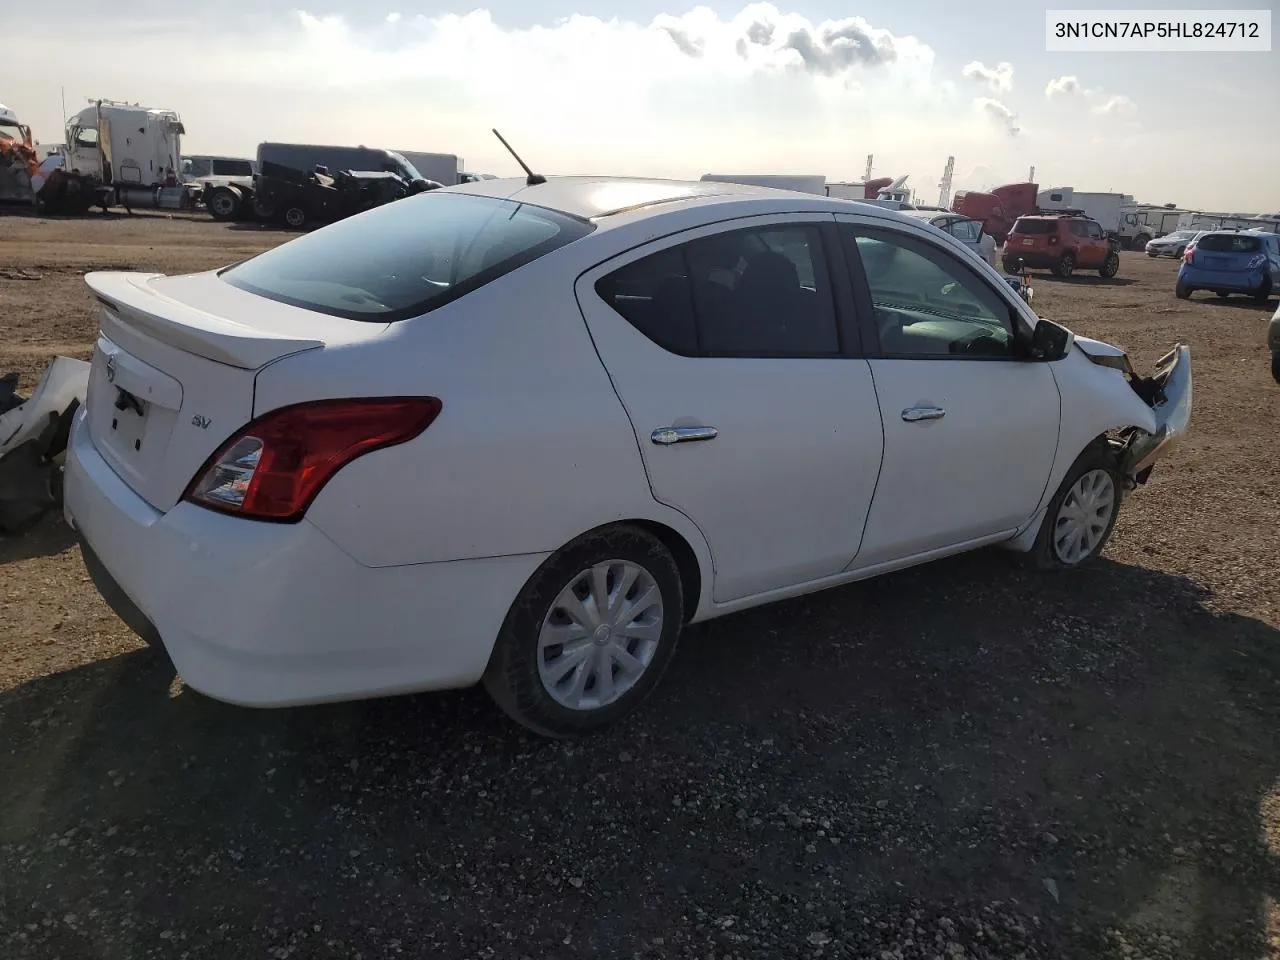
<point x="268" y="615"/>
<point x="1235" y="280"/>
<point x="1032" y="258"/>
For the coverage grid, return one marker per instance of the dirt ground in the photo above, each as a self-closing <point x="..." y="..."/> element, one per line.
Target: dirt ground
<point x="962" y="760"/>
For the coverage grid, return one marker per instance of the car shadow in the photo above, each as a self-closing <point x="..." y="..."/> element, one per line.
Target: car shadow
<point x="1237" y="302"/>
<point x="1085" y="280"/>
<point x="43" y="537"/>
<point x="1091" y="752"/>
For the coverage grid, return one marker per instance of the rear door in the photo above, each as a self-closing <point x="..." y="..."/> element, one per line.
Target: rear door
<point x="734" y="354"/>
<point x="970" y="430"/>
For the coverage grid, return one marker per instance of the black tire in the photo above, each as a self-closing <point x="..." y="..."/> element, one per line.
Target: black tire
<point x="1110" y="266"/>
<point x="1043" y="555"/>
<point x="1275" y="366"/>
<point x="512" y="676"/>
<point x="1182" y="291"/>
<point x="1066" y="266"/>
<point x="295" y="216"/>
<point x="263" y="209"/>
<point x="223" y="204"/>
<point x="1263" y="293"/>
<point x="1180" y="253"/>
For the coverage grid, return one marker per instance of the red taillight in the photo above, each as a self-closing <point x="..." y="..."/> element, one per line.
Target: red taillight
<point x="1187" y="254"/>
<point x="273" y="468"/>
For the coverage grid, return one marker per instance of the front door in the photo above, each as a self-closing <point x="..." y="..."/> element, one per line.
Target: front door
<point x="970" y="431"/>
<point x="754" y="413"/>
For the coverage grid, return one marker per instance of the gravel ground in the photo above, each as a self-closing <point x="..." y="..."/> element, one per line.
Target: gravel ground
<point x="965" y="760"/>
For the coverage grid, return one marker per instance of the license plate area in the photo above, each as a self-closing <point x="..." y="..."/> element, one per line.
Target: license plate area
<point x="1027" y="243"/>
<point x="128" y="425"/>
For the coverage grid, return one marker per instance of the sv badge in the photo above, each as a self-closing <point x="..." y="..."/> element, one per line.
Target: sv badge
<point x="201" y="422"/>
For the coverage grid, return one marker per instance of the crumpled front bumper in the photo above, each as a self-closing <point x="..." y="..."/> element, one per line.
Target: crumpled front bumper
<point x="1170" y="390"/>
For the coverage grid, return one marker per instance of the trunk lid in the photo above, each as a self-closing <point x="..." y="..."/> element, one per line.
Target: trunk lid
<point x="173" y="370"/>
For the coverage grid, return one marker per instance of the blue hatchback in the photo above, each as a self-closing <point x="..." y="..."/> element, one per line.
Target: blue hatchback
<point x="1227" y="262"/>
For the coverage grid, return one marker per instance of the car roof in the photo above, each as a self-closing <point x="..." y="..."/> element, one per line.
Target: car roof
<point x="934" y="214"/>
<point x="608" y="201"/>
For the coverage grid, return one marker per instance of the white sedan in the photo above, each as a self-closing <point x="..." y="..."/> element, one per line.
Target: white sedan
<point x="523" y="432"/>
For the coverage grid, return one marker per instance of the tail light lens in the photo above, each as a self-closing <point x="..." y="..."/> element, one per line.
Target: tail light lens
<point x="1187" y="254"/>
<point x="273" y="468"/>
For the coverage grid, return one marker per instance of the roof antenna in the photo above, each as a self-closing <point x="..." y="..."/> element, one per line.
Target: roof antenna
<point x="533" y="179"/>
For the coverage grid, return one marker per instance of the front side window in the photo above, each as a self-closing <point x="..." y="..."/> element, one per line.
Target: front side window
<point x="404" y="258"/>
<point x="1096" y="231"/>
<point x="763" y="292"/>
<point x="926" y="303"/>
<point x="232" y="168"/>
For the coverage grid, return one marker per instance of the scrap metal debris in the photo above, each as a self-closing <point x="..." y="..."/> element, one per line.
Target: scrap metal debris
<point x="33" y="440"/>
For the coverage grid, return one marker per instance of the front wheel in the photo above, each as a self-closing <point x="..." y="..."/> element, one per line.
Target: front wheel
<point x="295" y="217"/>
<point x="1110" y="266"/>
<point x="1082" y="514"/>
<point x="1066" y="266"/>
<point x="590" y="635"/>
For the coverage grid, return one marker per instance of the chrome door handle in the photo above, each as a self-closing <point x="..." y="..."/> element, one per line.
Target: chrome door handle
<point x="915" y="414"/>
<point x="669" y="435"/>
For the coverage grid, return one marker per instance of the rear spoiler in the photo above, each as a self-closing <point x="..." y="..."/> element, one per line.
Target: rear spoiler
<point x="186" y="327"/>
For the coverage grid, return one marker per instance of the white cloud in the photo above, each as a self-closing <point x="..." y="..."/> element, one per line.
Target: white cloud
<point x="1103" y="103"/>
<point x="1004" y="118"/>
<point x="998" y="79"/>
<point x="1116" y="107"/>
<point x="1062" y="86"/>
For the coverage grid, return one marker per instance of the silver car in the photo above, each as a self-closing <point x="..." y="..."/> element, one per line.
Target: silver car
<point x="1173" y="244"/>
<point x="967" y="231"/>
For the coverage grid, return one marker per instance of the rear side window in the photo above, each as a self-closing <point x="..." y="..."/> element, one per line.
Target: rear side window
<point x="763" y="292"/>
<point x="1035" y="227"/>
<point x="406" y="257"/>
<point x="232" y="168"/>
<point x="1228" y="243"/>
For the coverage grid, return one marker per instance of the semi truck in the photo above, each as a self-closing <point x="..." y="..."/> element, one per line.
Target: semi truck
<point x="117" y="154"/>
<point x="1112" y="211"/>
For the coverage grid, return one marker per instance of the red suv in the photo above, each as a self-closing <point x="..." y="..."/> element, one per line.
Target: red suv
<point x="1061" y="243"/>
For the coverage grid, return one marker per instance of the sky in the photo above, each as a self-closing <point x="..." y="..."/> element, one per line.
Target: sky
<point x="645" y="88"/>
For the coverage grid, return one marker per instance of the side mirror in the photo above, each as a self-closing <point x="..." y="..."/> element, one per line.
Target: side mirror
<point x="1048" y="342"/>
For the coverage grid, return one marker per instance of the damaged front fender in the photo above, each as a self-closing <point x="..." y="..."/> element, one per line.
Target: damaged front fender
<point x="1169" y="393"/>
<point x="33" y="440"/>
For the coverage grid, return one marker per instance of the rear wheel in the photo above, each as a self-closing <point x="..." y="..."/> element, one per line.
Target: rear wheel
<point x="223" y="204"/>
<point x="1066" y="266"/>
<point x="590" y="635"/>
<point x="1264" y="292"/>
<point x="1182" y="291"/>
<point x="1082" y="514"/>
<point x="1180" y="253"/>
<point x="295" y="217"/>
<point x="1275" y="366"/>
<point x="1110" y="266"/>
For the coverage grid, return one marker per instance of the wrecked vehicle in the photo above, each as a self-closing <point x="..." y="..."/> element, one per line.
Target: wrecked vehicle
<point x="33" y="440"/>
<point x="321" y="197"/>
<point x="428" y="415"/>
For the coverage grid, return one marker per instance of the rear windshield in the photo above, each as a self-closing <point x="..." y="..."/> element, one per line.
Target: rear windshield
<point x="1035" y="226"/>
<point x="407" y="257"/>
<point x="1228" y="243"/>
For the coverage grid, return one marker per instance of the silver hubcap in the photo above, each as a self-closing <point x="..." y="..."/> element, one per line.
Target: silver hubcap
<point x="600" y="635"/>
<point x="1084" y="516"/>
<point x="223" y="204"/>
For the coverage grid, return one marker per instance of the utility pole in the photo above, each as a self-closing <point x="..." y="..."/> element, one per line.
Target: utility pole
<point x="945" y="186"/>
<point x="866" y="177"/>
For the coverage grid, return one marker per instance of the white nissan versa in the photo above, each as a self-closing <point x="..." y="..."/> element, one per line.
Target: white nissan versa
<point x="522" y="432"/>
